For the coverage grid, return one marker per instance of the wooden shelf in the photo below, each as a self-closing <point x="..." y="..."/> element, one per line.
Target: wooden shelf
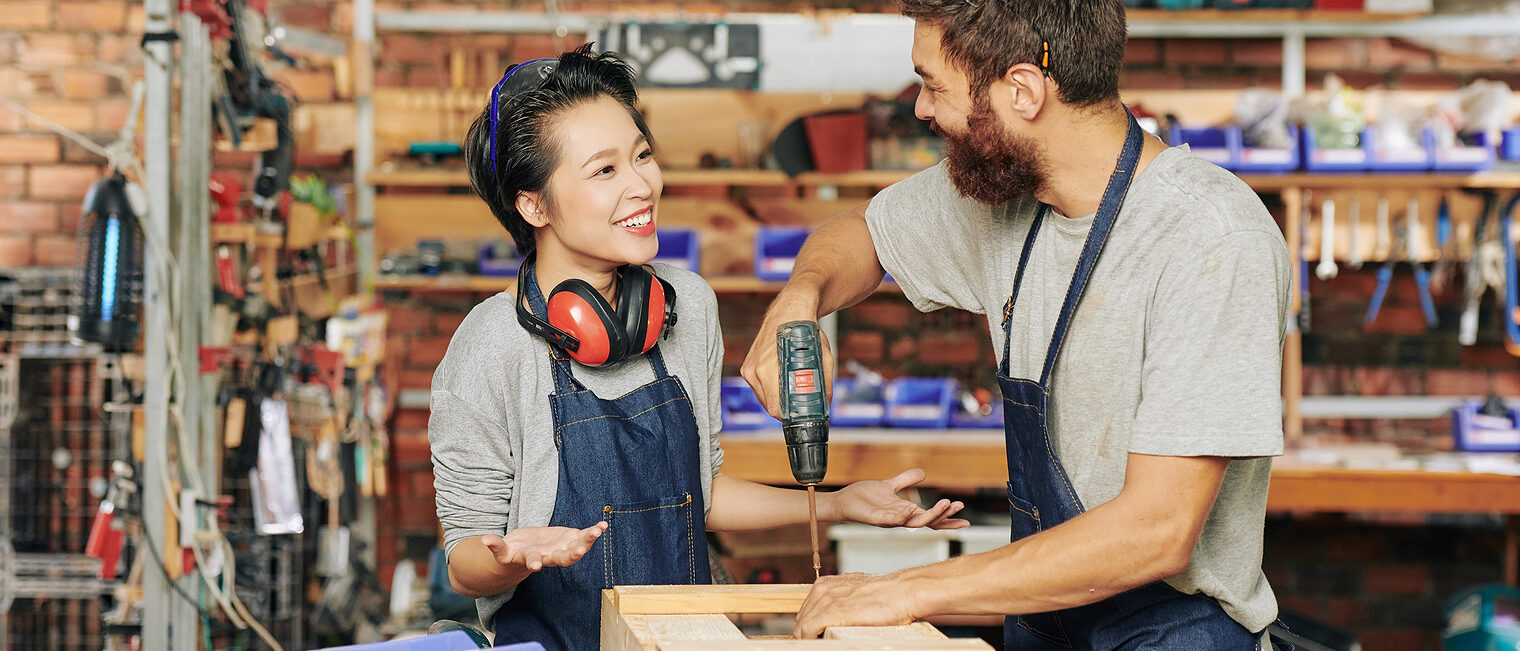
<point x="1427" y="181"/>
<point x="975" y="459"/>
<point x="470" y="283"/>
<point x="248" y="234"/>
<point x="1264" y="16"/>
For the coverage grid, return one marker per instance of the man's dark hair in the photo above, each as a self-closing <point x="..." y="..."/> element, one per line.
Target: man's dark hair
<point x="526" y="152"/>
<point x="984" y="38"/>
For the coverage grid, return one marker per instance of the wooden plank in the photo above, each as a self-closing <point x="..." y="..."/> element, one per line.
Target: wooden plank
<point x="1340" y="489"/>
<point x="616" y="632"/>
<point x="665" y="629"/>
<point x="704" y="599"/>
<point x="960" y="644"/>
<point x="914" y="631"/>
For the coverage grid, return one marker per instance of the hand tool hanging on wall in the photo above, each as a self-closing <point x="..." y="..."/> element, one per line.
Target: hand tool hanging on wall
<point x="1441" y="272"/>
<point x="1353" y="236"/>
<point x="250" y="94"/>
<point x="1511" y="280"/>
<point x="1404" y="241"/>
<point x="1486" y="268"/>
<point x="1327" y="269"/>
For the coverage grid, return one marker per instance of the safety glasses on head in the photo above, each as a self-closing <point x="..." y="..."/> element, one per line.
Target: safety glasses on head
<point x="589" y="329"/>
<point x="519" y="78"/>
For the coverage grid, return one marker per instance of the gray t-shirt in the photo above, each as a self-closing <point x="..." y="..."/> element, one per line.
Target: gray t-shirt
<point x="1176" y="348"/>
<point x="495" y="467"/>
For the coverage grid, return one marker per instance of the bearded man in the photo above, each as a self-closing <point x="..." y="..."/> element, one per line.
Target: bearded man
<point x="1137" y="298"/>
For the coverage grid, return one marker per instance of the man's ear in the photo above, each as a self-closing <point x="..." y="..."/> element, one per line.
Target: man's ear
<point x="1026" y="90"/>
<point x="531" y="206"/>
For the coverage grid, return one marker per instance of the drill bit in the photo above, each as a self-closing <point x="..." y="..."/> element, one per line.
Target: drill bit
<point x="813" y="530"/>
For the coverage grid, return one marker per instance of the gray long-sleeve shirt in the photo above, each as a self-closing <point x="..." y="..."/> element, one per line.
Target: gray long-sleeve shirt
<point x="495" y="467"/>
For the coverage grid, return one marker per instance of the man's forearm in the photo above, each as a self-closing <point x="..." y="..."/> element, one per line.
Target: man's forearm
<point x="1096" y="555"/>
<point x="474" y="572"/>
<point x="837" y="266"/>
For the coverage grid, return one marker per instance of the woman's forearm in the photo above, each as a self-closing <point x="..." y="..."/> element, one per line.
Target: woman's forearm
<point x="741" y="505"/>
<point x="475" y="573"/>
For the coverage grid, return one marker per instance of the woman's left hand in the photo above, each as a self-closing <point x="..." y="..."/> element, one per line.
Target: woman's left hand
<point x="876" y="502"/>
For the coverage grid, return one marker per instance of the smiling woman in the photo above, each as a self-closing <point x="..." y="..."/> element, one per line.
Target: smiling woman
<point x="545" y="502"/>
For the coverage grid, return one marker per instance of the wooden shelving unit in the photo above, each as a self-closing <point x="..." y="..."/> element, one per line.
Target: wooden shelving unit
<point x="472" y="283"/>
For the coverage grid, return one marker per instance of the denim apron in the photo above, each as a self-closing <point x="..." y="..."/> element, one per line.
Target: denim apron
<point x="633" y="462"/>
<point x="1040" y="495"/>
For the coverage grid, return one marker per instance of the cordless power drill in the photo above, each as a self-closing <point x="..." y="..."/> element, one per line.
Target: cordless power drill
<point x="804" y="413"/>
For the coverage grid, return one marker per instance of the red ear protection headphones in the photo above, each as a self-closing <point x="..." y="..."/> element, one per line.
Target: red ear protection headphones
<point x="592" y="332"/>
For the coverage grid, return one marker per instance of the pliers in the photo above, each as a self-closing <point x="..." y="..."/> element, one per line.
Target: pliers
<point x="1421" y="275"/>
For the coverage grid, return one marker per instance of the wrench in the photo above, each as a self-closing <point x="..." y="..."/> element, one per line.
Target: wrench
<point x="1327" y="269"/>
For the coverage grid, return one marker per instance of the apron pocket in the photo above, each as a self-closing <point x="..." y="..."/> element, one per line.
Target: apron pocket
<point x="651" y="542"/>
<point x="1026" y="518"/>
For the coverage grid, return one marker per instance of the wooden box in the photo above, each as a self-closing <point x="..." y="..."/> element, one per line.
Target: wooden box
<point x="686" y="618"/>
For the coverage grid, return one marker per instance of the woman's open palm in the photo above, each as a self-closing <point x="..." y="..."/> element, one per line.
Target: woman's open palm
<point x="538" y="547"/>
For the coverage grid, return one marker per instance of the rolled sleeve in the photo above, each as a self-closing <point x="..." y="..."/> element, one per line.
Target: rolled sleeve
<point x="1212" y="376"/>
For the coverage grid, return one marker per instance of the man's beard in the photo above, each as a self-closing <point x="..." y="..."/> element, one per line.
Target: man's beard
<point x="987" y="163"/>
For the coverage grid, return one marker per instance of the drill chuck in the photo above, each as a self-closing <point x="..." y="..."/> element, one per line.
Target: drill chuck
<point x="807" y="448"/>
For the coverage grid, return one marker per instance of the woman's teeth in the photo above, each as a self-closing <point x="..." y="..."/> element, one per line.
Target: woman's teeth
<point x="641" y="219"/>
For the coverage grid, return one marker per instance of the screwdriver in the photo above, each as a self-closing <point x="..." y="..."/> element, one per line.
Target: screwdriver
<point x="804" y="413"/>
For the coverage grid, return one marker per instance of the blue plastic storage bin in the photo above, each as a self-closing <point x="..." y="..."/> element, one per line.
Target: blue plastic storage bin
<point x="1266" y="160"/>
<point x="495" y="262"/>
<point x="1352" y="159"/>
<point x="1475" y="432"/>
<point x="851" y="409"/>
<point x="1509" y="149"/>
<point x="1401" y="160"/>
<point x="961" y="419"/>
<point x="1483" y="618"/>
<point x="741" y="409"/>
<point x="921" y="402"/>
<point x="1212" y="144"/>
<point x="679" y="247"/>
<point x="776" y="251"/>
<point x="1476" y="157"/>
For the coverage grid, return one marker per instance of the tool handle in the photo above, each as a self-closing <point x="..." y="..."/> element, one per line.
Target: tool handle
<point x="1384" y="275"/>
<point x="1422" y="278"/>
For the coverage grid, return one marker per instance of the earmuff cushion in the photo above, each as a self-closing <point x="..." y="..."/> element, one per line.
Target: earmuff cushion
<point x="577" y="308"/>
<point x="655" y="316"/>
<point x="634" y="306"/>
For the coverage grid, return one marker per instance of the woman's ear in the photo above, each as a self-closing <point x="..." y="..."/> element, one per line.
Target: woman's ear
<point x="531" y="206"/>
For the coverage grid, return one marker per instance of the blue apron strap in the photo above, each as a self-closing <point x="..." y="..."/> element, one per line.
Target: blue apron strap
<point x="1018" y="280"/>
<point x="1103" y="223"/>
<point x="564" y="381"/>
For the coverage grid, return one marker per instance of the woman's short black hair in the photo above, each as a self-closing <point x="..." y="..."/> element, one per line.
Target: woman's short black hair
<point x="526" y="152"/>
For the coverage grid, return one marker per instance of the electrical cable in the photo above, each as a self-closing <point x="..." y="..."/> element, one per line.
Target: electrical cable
<point x="151" y="550"/>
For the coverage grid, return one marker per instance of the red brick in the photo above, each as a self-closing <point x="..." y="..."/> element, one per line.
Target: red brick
<point x="1448" y="62"/>
<point x="136" y="16"/>
<point x="79" y="116"/>
<point x="1409" y="640"/>
<point x="1385" y="53"/>
<point x="421" y="483"/>
<point x="14" y="83"/>
<point x="28" y="217"/>
<point x="26" y="14"/>
<point x="417" y="379"/>
<point x="15" y="251"/>
<point x="534" y="46"/>
<point x="309" y="85"/>
<point x="84" y="84"/>
<point x="1142" y="51"/>
<point x="427" y="351"/>
<point x="412" y="420"/>
<point x="69" y="213"/>
<point x="1265" y="53"/>
<point x="1399" y="320"/>
<point x="406" y="48"/>
<point x="411" y="448"/>
<point x="56" y="251"/>
<point x="1346" y="613"/>
<point x="53" y="50"/>
<point x="418" y="514"/>
<point x="1505" y="383"/>
<point x="406" y="320"/>
<point x="951" y="348"/>
<point x="1354" y="547"/>
<point x="1150" y="80"/>
<point x="882" y="313"/>
<point x="1479" y="356"/>
<point x="426" y="75"/>
<point x="119" y="49"/>
<point x="96" y="16"/>
<point x="862" y="346"/>
<point x="391" y="76"/>
<point x="313" y="16"/>
<point x="1456" y="382"/>
<point x="1225" y="80"/>
<point x="1427" y="81"/>
<point x="29" y="149"/>
<point x="902" y="349"/>
<point x="1195" y="51"/>
<point x="445" y="323"/>
<point x="12" y="180"/>
<point x="1398" y="579"/>
<point x="1335" y="54"/>
<point x="62" y="181"/>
